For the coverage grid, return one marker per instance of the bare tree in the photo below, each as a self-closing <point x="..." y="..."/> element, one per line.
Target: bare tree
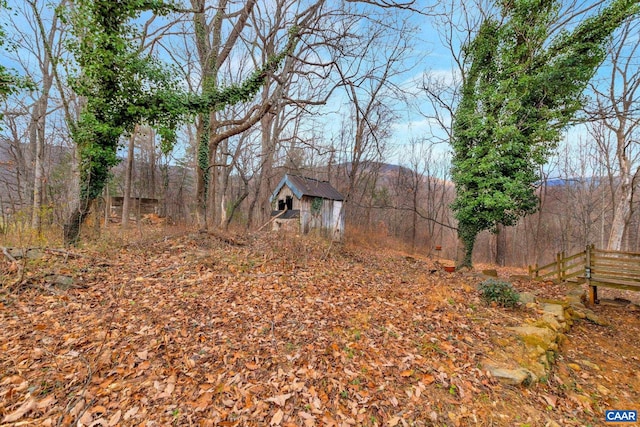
<point x="219" y="34"/>
<point x="128" y="179"/>
<point x="617" y="116"/>
<point x="40" y="35"/>
<point x="369" y="75"/>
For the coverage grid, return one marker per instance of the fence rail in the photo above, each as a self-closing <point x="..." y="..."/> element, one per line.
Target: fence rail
<point x="595" y="267"/>
<point x="562" y="269"/>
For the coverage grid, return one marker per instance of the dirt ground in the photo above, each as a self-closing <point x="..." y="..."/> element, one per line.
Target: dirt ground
<point x="200" y="330"/>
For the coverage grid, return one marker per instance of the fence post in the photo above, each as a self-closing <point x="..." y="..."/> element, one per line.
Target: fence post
<point x="593" y="291"/>
<point x="563" y="264"/>
<point x="558" y="267"/>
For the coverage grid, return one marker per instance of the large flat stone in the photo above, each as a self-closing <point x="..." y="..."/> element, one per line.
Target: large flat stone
<point x="536" y="336"/>
<point x="550" y="321"/>
<point x="511" y="376"/>
<point x="555" y="309"/>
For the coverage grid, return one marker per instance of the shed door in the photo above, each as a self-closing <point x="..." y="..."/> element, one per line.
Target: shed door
<point x="336" y="223"/>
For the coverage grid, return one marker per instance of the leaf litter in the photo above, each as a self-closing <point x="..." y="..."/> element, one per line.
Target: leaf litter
<point x="193" y="329"/>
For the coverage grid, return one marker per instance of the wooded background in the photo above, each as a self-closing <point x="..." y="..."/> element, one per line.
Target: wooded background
<point x="332" y="112"/>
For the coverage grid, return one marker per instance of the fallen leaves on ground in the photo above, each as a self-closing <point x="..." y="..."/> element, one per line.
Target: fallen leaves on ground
<point x="193" y="330"/>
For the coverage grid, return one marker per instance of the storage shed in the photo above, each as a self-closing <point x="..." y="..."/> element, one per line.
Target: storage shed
<point x="138" y="206"/>
<point x="302" y="204"/>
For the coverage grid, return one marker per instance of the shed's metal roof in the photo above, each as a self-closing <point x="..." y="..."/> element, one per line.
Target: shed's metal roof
<point x="303" y="186"/>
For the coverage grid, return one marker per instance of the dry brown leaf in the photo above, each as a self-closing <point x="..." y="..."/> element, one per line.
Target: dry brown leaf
<point x="115" y="418"/>
<point x="550" y="400"/>
<point x="77" y="408"/>
<point x="86" y="418"/>
<point x="393" y="401"/>
<point x="46" y="402"/>
<point x="305" y="415"/>
<point x="393" y="421"/>
<point x="98" y="409"/>
<point x="251" y="366"/>
<point x="279" y="400"/>
<point x="130" y="413"/>
<point x="25" y="408"/>
<point x="203" y="401"/>
<point x="14" y="379"/>
<point x="168" y="389"/>
<point x="276" y="420"/>
<point x="329" y="420"/>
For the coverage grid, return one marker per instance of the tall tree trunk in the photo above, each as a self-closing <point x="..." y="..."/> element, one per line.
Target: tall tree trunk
<point x="501" y="245"/>
<point x="77" y="208"/>
<point x="152" y="163"/>
<point x="206" y="57"/>
<point x="225" y="183"/>
<point x="49" y="74"/>
<point x="37" y="139"/>
<point x="212" y="54"/>
<point x="37" y="136"/>
<point x="415" y="178"/>
<point x="238" y="201"/>
<point x="202" y="172"/>
<point x="71" y="229"/>
<point x="128" y="178"/>
<point x="212" y="206"/>
<point x="624" y="207"/>
<point x="266" y="170"/>
<point x="467" y="236"/>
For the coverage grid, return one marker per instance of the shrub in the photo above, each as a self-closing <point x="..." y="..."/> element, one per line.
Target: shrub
<point x="502" y="293"/>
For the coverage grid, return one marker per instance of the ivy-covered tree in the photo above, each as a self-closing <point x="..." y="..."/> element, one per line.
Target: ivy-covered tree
<point x="522" y="87"/>
<point x="123" y="87"/>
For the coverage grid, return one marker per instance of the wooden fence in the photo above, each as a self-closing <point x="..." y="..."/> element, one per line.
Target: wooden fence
<point x="564" y="268"/>
<point x="595" y="267"/>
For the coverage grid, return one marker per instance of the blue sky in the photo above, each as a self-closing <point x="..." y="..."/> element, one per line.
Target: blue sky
<point x="429" y="56"/>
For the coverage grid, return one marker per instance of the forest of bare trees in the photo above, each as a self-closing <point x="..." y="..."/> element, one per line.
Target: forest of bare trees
<point x="334" y="110"/>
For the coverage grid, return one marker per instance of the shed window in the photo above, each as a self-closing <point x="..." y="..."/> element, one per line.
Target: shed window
<point x="286" y="203"/>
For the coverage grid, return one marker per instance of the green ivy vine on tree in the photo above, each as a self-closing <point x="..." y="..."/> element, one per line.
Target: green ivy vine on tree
<point x="522" y="87"/>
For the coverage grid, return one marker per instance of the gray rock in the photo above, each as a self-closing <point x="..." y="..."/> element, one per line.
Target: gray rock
<point x="31" y="253"/>
<point x="555" y="309"/>
<point x="64" y="282"/>
<point x="490" y="273"/>
<point x="527" y="298"/>
<point x="512" y="376"/>
<point x="578" y="313"/>
<point x="591" y="316"/>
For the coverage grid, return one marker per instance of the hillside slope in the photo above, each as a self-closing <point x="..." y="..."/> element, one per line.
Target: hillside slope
<point x="194" y="329"/>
